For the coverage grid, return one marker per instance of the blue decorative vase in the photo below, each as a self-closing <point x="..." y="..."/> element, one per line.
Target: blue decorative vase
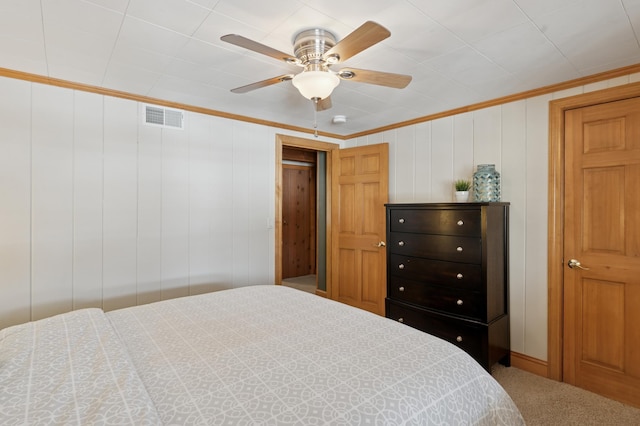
<point x="486" y="183"/>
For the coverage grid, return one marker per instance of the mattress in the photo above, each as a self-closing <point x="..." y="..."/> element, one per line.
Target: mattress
<point x="251" y="355"/>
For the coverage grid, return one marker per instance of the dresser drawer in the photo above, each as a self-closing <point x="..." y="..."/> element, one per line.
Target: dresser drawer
<point x="454" y="301"/>
<point x="436" y="221"/>
<point x="440" y="247"/>
<point x="467" y="335"/>
<point x="461" y="275"/>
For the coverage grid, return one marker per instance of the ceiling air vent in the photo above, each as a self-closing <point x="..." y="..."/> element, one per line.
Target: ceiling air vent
<point x="165" y="117"/>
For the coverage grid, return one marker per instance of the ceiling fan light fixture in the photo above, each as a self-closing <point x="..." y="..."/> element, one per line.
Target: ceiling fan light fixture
<point x="332" y="59"/>
<point x="315" y="84"/>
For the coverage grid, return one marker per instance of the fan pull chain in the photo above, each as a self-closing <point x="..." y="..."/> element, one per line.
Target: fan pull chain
<point x="315" y="117"/>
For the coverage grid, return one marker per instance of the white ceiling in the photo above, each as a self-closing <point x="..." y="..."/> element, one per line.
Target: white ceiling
<point x="459" y="52"/>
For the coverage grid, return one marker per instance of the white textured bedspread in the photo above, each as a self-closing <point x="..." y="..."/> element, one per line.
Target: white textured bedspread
<point x="275" y="355"/>
<point x="70" y="369"/>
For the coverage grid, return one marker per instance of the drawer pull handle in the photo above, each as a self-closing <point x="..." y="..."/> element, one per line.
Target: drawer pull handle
<point x="459" y="276"/>
<point x="401" y="289"/>
<point x="458" y="249"/>
<point x="460" y="222"/>
<point x="459" y="302"/>
<point x="459" y="339"/>
<point x="401" y="243"/>
<point x="401" y="220"/>
<point x="400" y="319"/>
<point x="401" y="266"/>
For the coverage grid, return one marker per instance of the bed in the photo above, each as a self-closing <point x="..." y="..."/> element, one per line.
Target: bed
<point x="250" y="355"/>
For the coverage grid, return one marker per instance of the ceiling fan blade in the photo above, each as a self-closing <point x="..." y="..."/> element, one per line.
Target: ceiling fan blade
<point x="323" y="104"/>
<point x="263" y="83"/>
<point x="360" y="39"/>
<point x="246" y="43"/>
<point x="397" y="81"/>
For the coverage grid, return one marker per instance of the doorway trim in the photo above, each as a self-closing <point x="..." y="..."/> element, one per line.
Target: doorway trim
<point x="296" y="142"/>
<point x="555" y="261"/>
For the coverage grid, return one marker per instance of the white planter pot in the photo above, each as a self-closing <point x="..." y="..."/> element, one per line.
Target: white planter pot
<point x="462" y="196"/>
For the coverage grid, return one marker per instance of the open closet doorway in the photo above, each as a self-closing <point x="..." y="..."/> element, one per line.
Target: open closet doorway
<point x="299" y="217"/>
<point x="302" y="204"/>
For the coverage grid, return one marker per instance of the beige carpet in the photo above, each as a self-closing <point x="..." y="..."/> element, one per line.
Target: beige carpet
<point x="547" y="402"/>
<point x="305" y="283"/>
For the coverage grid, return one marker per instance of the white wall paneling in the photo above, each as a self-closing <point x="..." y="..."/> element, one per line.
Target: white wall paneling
<point x="98" y="208"/>
<point x="487" y="136"/>
<point x="201" y="202"/>
<point x="222" y="190"/>
<point x="423" y="160"/>
<point x="15" y="202"/>
<point x="120" y="208"/>
<point x="261" y="192"/>
<point x="87" y="199"/>
<point x="535" y="213"/>
<point x="242" y="202"/>
<point x="253" y="183"/>
<point x="149" y="217"/>
<point x="463" y="148"/>
<point x="442" y="173"/>
<point x="389" y="137"/>
<point x="513" y="180"/>
<point x="52" y="200"/>
<point x="175" y="213"/>
<point x="404" y="165"/>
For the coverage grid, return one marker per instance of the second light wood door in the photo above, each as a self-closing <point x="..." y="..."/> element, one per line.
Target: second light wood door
<point x="360" y="190"/>
<point x="602" y="231"/>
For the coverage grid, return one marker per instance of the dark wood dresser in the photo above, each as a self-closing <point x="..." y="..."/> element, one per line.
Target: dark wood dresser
<point x="447" y="274"/>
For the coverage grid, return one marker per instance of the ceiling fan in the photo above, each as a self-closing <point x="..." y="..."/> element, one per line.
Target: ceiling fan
<point x="316" y="50"/>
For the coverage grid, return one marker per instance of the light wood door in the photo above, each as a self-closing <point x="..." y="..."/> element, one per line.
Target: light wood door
<point x="360" y="189"/>
<point x="601" y="349"/>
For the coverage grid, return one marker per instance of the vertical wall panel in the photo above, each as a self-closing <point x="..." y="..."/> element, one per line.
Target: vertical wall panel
<point x="537" y="166"/>
<point x="175" y="213"/>
<point x="405" y="165"/>
<point x="423" y="163"/>
<point x="120" y="216"/>
<point x="390" y="138"/>
<point x="271" y="208"/>
<point x="353" y="142"/>
<point x="514" y="179"/>
<point x="442" y="159"/>
<point x="261" y="158"/>
<point x="463" y="165"/>
<point x="486" y="136"/>
<point x="52" y="198"/>
<point x="87" y="200"/>
<point x="201" y="202"/>
<point x="149" y="214"/>
<point x="221" y="217"/>
<point x="242" y="203"/>
<point x="15" y="202"/>
<point x="379" y="138"/>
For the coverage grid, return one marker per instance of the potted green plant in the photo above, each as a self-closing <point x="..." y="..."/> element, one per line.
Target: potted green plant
<point x="462" y="187"/>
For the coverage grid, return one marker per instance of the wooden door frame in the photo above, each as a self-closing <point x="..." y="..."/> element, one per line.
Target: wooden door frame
<point x="555" y="261"/>
<point x="296" y="142"/>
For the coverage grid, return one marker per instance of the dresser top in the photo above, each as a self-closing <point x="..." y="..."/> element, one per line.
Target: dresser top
<point x="448" y="205"/>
